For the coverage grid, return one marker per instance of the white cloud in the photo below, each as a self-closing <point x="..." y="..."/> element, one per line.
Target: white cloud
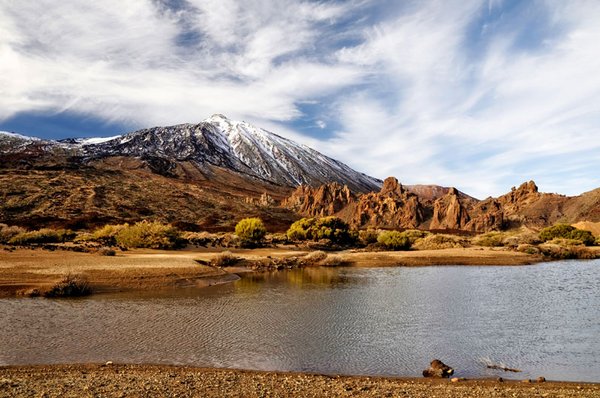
<point x="432" y="92"/>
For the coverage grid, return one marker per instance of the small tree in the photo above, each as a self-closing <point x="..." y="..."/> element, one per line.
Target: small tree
<point x="251" y="231"/>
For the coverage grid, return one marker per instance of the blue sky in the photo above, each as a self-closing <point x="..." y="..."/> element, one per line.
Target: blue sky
<point x="481" y="95"/>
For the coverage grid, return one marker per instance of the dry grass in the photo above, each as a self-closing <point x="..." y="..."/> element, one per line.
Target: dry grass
<point x="69" y="286"/>
<point x="225" y="259"/>
<point x="440" y="241"/>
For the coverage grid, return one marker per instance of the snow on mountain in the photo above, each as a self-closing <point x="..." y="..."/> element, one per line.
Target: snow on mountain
<point x="238" y="146"/>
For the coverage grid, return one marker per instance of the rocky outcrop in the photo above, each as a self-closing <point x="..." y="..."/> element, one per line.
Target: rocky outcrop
<point x="325" y="200"/>
<point x="438" y="368"/>
<point x="486" y="216"/>
<point x="392" y="207"/>
<point x="448" y="212"/>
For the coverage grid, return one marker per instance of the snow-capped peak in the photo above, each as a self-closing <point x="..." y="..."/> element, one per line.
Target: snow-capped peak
<point x="18" y="136"/>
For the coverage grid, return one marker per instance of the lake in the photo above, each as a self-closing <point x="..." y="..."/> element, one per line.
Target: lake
<point x="543" y="319"/>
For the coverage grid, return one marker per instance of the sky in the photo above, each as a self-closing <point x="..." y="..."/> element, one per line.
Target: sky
<point x="480" y="95"/>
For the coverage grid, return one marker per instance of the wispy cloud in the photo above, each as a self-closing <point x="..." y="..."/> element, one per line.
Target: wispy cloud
<point x="477" y="94"/>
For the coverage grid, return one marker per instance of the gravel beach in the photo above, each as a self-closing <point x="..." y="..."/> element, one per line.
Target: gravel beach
<point x="116" y="380"/>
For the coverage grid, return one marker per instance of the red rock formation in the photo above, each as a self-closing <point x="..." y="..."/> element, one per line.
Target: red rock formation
<point x="392" y="207"/>
<point x="325" y="200"/>
<point x="448" y="212"/>
<point x="486" y="216"/>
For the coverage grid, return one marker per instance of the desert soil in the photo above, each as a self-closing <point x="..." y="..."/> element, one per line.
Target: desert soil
<point x="22" y="270"/>
<point x="171" y="381"/>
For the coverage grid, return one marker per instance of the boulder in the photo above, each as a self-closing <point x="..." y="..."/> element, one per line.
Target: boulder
<point x="438" y="368"/>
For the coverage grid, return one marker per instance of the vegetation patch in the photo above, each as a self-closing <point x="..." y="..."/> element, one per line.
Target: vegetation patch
<point x="561" y="252"/>
<point x="251" y="232"/>
<point x="440" y="241"/>
<point x="44" y="235"/>
<point x="149" y="234"/>
<point x="566" y="231"/>
<point x="393" y="240"/>
<point x="8" y="232"/>
<point x="225" y="259"/>
<point x="333" y="229"/>
<point x="69" y="286"/>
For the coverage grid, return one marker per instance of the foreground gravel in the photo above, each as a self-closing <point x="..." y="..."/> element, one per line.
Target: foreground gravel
<point x="171" y="381"/>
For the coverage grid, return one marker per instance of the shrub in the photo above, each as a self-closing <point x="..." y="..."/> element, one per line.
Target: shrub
<point x="108" y="234"/>
<point x="393" y="240"/>
<point x="44" y="235"/>
<point x="70" y="286"/>
<point x="8" y="232"/>
<point x="224" y="259"/>
<point x="315" y="257"/>
<point x="251" y="231"/>
<point x="490" y="239"/>
<point x="333" y="229"/>
<point x="566" y="231"/>
<point x="529" y="249"/>
<point x="367" y="236"/>
<point x="566" y="252"/>
<point x="440" y="241"/>
<point x="149" y="234"/>
<point x="414" y="234"/>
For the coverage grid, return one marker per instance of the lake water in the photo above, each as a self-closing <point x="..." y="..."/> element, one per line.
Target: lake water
<point x="542" y="319"/>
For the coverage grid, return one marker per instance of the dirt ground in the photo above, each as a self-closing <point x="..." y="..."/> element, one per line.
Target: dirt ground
<point x="171" y="381"/>
<point x="22" y="270"/>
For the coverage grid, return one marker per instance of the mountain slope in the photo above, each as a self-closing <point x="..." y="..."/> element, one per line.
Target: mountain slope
<point x="207" y="175"/>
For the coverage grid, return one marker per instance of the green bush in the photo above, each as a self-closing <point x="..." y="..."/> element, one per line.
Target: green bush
<point x="8" y="232"/>
<point x="333" y="229"/>
<point x="251" y="231"/>
<point x="566" y="231"/>
<point x="44" y="235"/>
<point x="149" y="234"/>
<point x="393" y="240"/>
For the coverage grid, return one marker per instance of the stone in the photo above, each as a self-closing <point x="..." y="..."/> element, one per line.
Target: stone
<point x="541" y="379"/>
<point x="438" y="369"/>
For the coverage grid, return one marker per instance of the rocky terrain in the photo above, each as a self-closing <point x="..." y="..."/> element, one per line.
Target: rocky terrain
<point x="209" y="175"/>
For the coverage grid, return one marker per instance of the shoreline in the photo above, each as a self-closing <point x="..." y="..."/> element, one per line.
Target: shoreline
<point x="25" y="271"/>
<point x="171" y="380"/>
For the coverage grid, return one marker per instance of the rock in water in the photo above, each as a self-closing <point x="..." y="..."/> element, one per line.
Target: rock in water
<point x="438" y="368"/>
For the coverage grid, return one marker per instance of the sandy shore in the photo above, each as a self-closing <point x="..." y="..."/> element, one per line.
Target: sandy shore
<point x="171" y="381"/>
<point x="22" y="270"/>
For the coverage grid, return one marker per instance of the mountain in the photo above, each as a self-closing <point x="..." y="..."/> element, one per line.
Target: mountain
<point x="205" y="175"/>
<point x="217" y="141"/>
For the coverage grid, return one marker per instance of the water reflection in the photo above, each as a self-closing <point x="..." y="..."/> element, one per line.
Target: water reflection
<point x="387" y="321"/>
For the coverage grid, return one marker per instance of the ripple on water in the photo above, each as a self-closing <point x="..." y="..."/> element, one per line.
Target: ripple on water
<point x="542" y="319"/>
